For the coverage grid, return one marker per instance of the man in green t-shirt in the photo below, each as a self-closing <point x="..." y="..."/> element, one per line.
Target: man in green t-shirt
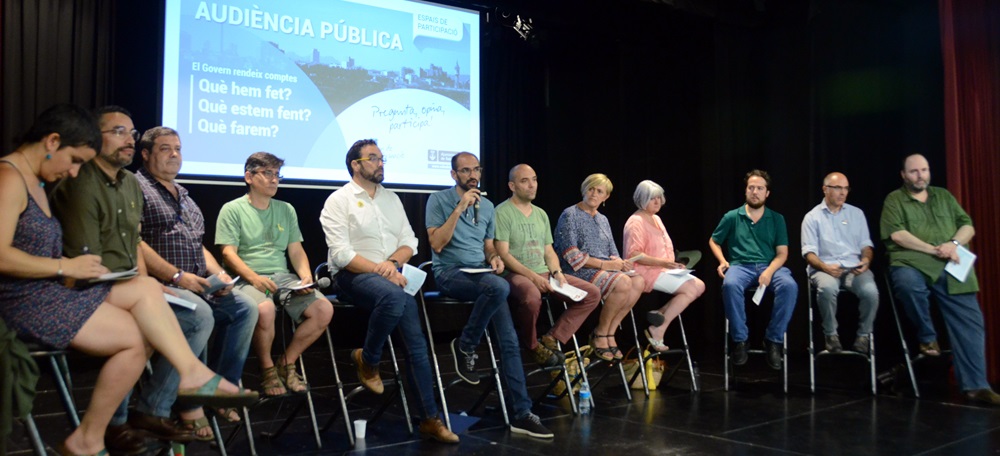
<point x="254" y="232"/>
<point x="924" y="228"/>
<point x="524" y="242"/>
<point x="757" y="241"/>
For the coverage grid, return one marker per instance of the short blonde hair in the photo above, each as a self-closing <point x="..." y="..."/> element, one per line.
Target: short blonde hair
<point x="596" y="180"/>
<point x="645" y="192"/>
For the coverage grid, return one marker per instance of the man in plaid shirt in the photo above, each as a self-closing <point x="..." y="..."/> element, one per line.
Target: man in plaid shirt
<point x="172" y="231"/>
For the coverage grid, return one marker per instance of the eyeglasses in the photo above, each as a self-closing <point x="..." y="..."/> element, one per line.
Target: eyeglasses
<point x="121" y="131"/>
<point x="466" y="171"/>
<point x="373" y="159"/>
<point x="838" y="188"/>
<point x="270" y="175"/>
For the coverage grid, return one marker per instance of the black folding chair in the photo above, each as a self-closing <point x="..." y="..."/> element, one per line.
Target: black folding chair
<point x="870" y="357"/>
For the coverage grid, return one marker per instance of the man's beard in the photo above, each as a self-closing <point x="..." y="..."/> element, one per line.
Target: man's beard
<point x="755" y="205"/>
<point x="913" y="187"/>
<point x="465" y="185"/>
<point x="372" y="177"/>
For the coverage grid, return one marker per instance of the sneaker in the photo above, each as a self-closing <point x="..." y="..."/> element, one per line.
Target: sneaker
<point x="833" y="344"/>
<point x="983" y="396"/>
<point x="739" y="354"/>
<point x="435" y="429"/>
<point x="465" y="363"/>
<point x="545" y="357"/>
<point x="367" y="374"/>
<point x="531" y="425"/>
<point x="774" y="358"/>
<point x="930" y="349"/>
<point x="861" y="344"/>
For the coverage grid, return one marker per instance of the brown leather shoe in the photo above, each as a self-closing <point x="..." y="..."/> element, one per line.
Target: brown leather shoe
<point x="984" y="396"/>
<point x="368" y="374"/>
<point x="123" y="440"/>
<point x="435" y="429"/>
<point x="162" y="428"/>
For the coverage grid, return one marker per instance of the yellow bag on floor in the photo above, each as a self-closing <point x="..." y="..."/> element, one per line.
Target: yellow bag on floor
<point x="653" y="370"/>
<point x="572" y="368"/>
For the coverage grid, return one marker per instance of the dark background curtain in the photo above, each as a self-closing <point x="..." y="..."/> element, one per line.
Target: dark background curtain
<point x="54" y="51"/>
<point x="970" y="41"/>
<point x="689" y="94"/>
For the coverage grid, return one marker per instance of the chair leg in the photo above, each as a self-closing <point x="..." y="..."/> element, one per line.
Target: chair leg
<point x="434" y="361"/>
<point x="63" y="385"/>
<point x="496" y="378"/>
<point x="812" y="343"/>
<point x="695" y="380"/>
<point x="784" y="358"/>
<point x="348" y="426"/>
<point x="902" y="337"/>
<point x="871" y="360"/>
<point x="725" y="348"/>
<point x="36" y="440"/>
<point x="583" y="368"/>
<point x="400" y="384"/>
<point x="641" y="368"/>
<point x="565" y="374"/>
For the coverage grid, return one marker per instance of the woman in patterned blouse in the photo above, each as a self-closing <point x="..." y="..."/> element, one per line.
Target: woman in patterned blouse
<point x="587" y="250"/>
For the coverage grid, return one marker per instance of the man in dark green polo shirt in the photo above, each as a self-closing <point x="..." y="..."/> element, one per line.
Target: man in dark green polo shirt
<point x="923" y="227"/>
<point x="100" y="212"/>
<point x="757" y="241"/>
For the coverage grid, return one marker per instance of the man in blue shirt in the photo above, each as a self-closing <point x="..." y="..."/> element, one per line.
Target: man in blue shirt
<point x="838" y="248"/>
<point x="460" y="225"/>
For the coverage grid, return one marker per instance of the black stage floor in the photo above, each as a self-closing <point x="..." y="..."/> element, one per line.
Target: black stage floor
<point x="755" y="417"/>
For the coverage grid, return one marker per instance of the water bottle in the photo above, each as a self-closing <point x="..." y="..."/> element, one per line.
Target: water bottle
<point x="584" y="402"/>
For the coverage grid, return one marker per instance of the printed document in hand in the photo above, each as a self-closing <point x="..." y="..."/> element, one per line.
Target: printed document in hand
<point x="180" y="302"/>
<point x="679" y="271"/>
<point x="961" y="269"/>
<point x="567" y="290"/>
<point x="759" y="295"/>
<point x="216" y="284"/>
<point x="297" y="285"/>
<point x="476" y="270"/>
<point x="117" y="275"/>
<point x="414" y="279"/>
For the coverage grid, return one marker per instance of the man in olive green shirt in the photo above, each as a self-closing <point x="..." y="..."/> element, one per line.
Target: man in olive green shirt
<point x="923" y="227"/>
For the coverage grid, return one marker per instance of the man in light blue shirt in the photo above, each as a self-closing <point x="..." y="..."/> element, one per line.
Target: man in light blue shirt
<point x="839" y="250"/>
<point x="460" y="227"/>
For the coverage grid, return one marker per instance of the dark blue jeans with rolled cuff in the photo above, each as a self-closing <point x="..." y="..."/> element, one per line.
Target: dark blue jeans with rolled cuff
<point x="738" y="278"/>
<point x="489" y="293"/>
<point x="392" y="308"/>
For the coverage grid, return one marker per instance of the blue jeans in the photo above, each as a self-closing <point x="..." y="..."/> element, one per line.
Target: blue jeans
<point x="489" y="294"/>
<point x="962" y="317"/>
<point x="828" y="287"/>
<point x="392" y="308"/>
<point x="741" y="276"/>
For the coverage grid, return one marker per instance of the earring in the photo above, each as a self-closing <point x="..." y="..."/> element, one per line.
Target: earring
<point x="604" y="204"/>
<point x="48" y="156"/>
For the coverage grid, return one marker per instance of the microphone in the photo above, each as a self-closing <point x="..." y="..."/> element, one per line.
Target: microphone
<point x="475" y="210"/>
<point x="323" y="282"/>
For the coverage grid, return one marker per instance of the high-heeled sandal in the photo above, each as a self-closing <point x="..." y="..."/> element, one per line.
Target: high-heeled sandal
<point x="607" y="354"/>
<point x="657" y="344"/>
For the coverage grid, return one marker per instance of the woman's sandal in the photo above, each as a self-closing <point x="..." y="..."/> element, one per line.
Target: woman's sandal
<point x="270" y="383"/>
<point x="657" y="344"/>
<point x="230" y="415"/>
<point x="292" y="380"/>
<point x="63" y="451"/>
<point x="199" y="425"/>
<point x="607" y="354"/>
<point x="209" y="394"/>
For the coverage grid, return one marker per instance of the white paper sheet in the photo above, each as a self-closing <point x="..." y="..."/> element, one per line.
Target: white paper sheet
<point x="961" y="269"/>
<point x="759" y="295"/>
<point x="414" y="279"/>
<point x="567" y="290"/>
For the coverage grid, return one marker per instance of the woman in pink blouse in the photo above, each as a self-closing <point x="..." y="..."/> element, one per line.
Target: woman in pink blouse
<point x="648" y="245"/>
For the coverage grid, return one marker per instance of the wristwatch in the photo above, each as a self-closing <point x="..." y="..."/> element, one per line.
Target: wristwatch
<point x="177" y="276"/>
<point x="953" y="241"/>
<point x="394" y="262"/>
